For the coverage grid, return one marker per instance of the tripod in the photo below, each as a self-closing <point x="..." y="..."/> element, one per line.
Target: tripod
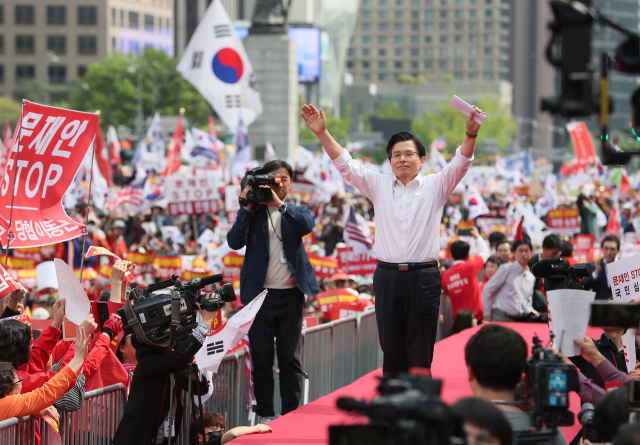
<point x="184" y="389"/>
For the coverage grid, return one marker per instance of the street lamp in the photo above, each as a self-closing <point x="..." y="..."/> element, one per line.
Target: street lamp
<point x="49" y="57"/>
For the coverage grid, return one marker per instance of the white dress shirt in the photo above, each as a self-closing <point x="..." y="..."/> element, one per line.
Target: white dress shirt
<point x="512" y="290"/>
<point x="407" y="217"/>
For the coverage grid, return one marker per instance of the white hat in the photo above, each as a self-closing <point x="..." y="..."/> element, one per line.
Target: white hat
<point x="40" y="314"/>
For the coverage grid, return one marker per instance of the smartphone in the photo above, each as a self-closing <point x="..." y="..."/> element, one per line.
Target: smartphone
<point x="621" y="315"/>
<point x="464" y="232"/>
<point x="103" y="312"/>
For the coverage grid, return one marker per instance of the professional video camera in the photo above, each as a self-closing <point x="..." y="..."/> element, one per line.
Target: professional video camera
<point x="255" y="178"/>
<point x="544" y="391"/>
<point x="409" y="410"/>
<point x="559" y="274"/>
<point x="148" y="315"/>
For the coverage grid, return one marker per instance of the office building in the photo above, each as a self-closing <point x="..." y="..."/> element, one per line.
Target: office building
<point x="52" y="41"/>
<point x="466" y="39"/>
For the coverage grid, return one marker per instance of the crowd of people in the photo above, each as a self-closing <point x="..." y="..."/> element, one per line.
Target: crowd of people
<point x="472" y="274"/>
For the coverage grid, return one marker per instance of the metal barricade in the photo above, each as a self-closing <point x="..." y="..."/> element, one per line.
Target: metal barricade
<point x="230" y="391"/>
<point x="18" y="431"/>
<point x="316" y="358"/>
<point x="345" y="353"/>
<point x="368" y="343"/>
<point x="97" y="421"/>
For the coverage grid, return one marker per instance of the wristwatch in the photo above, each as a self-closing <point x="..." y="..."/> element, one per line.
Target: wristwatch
<point x="283" y="207"/>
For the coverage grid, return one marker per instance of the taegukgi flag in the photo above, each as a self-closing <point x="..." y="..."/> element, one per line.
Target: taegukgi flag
<point x="216" y="64"/>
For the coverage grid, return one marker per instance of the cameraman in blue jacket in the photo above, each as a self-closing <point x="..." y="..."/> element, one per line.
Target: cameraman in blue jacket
<point x="275" y="259"/>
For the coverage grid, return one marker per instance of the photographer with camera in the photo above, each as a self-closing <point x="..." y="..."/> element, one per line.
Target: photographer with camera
<point x="148" y="402"/>
<point x="496" y="357"/>
<point x="275" y="259"/>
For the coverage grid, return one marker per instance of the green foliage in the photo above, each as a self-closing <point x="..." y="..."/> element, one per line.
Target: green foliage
<point x="338" y="127"/>
<point x="499" y="124"/>
<point x="111" y="86"/>
<point x="9" y="111"/>
<point x="30" y="90"/>
<point x="390" y="111"/>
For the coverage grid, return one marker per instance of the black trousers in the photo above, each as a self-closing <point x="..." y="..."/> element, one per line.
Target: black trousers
<point x="281" y="317"/>
<point x="407" y="307"/>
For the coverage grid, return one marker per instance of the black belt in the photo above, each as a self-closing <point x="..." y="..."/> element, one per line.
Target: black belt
<point x="408" y="266"/>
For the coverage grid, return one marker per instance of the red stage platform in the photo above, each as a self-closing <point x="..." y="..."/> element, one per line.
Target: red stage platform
<point x="310" y="423"/>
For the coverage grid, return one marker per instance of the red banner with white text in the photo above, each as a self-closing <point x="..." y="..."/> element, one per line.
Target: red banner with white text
<point x="48" y="147"/>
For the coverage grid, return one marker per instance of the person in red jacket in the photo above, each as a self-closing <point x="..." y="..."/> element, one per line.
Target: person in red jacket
<point x="460" y="282"/>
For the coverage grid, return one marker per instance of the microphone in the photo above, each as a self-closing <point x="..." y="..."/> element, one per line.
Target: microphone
<point x="210" y="280"/>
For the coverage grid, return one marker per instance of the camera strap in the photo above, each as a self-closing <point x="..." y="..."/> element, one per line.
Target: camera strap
<point x="133" y="321"/>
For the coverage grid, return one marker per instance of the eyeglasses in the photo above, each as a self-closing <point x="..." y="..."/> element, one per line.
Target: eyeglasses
<point x="406" y="154"/>
<point x="20" y="379"/>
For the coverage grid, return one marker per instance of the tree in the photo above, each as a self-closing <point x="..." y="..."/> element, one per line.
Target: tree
<point x="499" y="124"/>
<point x="10" y="110"/>
<point x="111" y="86"/>
<point x="338" y="127"/>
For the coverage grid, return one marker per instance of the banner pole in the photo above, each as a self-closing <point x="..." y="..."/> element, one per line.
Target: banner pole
<point x="13" y="194"/>
<point x="86" y="211"/>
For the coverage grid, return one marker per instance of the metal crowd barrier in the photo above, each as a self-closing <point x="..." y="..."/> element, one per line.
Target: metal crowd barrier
<point x="333" y="355"/>
<point x="97" y="421"/>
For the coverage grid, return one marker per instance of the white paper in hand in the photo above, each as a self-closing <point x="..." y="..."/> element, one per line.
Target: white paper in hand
<point x="629" y="345"/>
<point x="569" y="312"/>
<point x="77" y="307"/>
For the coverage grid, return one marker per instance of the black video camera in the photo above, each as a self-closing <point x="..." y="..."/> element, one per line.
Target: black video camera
<point x="148" y="314"/>
<point x="544" y="391"/>
<point x="255" y="178"/>
<point x="559" y="274"/>
<point x="409" y="410"/>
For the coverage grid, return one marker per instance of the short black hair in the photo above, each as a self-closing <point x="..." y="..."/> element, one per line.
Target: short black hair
<point x="613" y="238"/>
<point x="497" y="356"/>
<point x="105" y="295"/>
<point x="496" y="238"/>
<point x="552" y="241"/>
<point x="463" y="320"/>
<point x="7" y="378"/>
<point x="566" y="251"/>
<point x="611" y="413"/>
<point x="484" y="415"/>
<point x="406" y="136"/>
<point x="504" y="241"/>
<point x="275" y="165"/>
<point x="628" y="434"/>
<point x="495" y="260"/>
<point x="15" y="342"/>
<point x="460" y="250"/>
<point x="521" y="242"/>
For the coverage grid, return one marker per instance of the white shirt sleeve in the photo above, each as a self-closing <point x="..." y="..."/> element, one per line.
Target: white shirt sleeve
<point x="483" y="248"/>
<point x="451" y="175"/>
<point x="357" y="174"/>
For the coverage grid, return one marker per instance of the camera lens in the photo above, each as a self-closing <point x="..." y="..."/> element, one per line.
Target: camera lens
<point x="226" y="293"/>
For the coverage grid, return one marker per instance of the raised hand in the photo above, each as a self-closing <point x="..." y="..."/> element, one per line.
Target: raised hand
<point x="473" y="126"/>
<point x="58" y="313"/>
<point x="314" y="119"/>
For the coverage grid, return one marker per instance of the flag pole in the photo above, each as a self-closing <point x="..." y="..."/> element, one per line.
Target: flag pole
<point x="13" y="194"/>
<point x="88" y="208"/>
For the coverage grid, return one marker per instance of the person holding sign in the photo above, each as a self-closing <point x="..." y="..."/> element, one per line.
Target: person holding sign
<point x="408" y="208"/>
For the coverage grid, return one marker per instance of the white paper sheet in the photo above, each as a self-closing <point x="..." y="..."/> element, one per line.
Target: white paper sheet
<point x="629" y="344"/>
<point x="569" y="312"/>
<point x="77" y="306"/>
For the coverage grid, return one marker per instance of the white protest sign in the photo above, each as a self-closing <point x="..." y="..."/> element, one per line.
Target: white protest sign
<point x="569" y="312"/>
<point x="193" y="195"/>
<point x="624" y="279"/>
<point x="216" y="345"/>
<point x="629" y="346"/>
<point x="77" y="307"/>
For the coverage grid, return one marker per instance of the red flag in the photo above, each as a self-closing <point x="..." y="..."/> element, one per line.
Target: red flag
<point x="101" y="157"/>
<point x="172" y="164"/>
<point x="114" y="145"/>
<point x="212" y="128"/>
<point x="582" y="143"/>
<point x="614" y="226"/>
<point x="624" y="181"/>
<point x="56" y="141"/>
<point x="519" y="230"/>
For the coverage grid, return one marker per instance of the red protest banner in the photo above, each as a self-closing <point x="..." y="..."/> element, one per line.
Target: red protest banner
<point x="582" y="143"/>
<point x="56" y="141"/>
<point x="584" y="241"/>
<point x="232" y="265"/>
<point x="168" y="265"/>
<point x="309" y="322"/>
<point x="7" y="283"/>
<point x="323" y="266"/>
<point x="95" y="251"/>
<point x="343" y="310"/>
<point x="143" y="261"/>
<point x="38" y="254"/>
<point x="355" y="263"/>
<point x="564" y="220"/>
<point x="327" y="299"/>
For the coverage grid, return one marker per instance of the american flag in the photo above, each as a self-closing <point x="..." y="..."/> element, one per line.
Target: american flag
<point x="130" y="195"/>
<point x="440" y="143"/>
<point x="355" y="232"/>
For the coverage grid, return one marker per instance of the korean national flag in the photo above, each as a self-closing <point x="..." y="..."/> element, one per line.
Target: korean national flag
<point x="216" y="64"/>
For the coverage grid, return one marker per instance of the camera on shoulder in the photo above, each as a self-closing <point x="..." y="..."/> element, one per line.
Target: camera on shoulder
<point x="255" y="178"/>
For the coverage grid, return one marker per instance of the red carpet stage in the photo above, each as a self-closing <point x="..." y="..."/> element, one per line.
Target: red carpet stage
<point x="310" y="423"/>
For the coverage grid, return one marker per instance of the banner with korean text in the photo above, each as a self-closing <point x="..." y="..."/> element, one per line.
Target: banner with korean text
<point x="192" y="195"/>
<point x="48" y="147"/>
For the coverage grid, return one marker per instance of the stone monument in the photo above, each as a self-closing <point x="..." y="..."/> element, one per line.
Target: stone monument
<point x="273" y="58"/>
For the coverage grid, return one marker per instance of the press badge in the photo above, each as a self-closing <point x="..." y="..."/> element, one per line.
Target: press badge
<point x="166" y="428"/>
<point x="283" y="258"/>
